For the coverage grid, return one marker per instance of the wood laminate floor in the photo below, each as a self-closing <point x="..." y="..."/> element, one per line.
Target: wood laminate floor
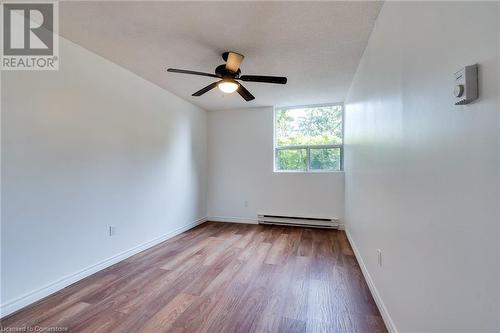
<point x="220" y="277"/>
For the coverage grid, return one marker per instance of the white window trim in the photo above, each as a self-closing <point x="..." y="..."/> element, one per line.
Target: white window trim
<point x="308" y="147"/>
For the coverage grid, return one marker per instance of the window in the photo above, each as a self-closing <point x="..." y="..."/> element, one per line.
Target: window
<point x="308" y="138"/>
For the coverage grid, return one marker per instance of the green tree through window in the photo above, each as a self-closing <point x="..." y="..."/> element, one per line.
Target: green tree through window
<point x="309" y="138"/>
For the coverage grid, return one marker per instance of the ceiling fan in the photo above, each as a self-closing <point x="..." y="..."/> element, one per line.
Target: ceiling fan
<point x="229" y="75"/>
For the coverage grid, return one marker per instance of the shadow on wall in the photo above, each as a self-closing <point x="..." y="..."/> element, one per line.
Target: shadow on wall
<point x="94" y="145"/>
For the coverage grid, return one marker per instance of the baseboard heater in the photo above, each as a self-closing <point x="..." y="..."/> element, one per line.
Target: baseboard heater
<point x="311" y="222"/>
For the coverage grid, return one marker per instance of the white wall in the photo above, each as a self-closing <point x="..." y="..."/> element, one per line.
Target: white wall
<point x="422" y="175"/>
<point x="85" y="147"/>
<point x="240" y="154"/>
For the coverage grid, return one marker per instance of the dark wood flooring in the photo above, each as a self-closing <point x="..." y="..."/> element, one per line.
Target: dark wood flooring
<point x="220" y="277"/>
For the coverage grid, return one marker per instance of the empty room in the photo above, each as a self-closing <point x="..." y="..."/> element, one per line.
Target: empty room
<point x="250" y="166"/>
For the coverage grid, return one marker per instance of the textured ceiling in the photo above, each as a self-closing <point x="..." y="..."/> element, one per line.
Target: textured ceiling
<point x="317" y="45"/>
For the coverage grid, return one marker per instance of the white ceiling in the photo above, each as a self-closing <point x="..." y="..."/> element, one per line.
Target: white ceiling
<point x="317" y="45"/>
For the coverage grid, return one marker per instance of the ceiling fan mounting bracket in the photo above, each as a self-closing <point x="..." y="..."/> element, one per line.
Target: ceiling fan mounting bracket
<point x="225" y="55"/>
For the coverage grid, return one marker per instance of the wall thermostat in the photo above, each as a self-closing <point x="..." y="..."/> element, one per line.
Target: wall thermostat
<point x="465" y="90"/>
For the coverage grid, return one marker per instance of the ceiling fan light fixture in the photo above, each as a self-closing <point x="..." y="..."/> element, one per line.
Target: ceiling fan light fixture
<point x="227" y="74"/>
<point x="228" y="86"/>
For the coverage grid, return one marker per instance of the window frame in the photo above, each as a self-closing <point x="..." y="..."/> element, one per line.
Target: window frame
<point x="308" y="147"/>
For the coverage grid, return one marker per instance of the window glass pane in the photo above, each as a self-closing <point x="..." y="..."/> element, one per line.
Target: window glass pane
<point x="291" y="159"/>
<point x="325" y="159"/>
<point x="320" y="125"/>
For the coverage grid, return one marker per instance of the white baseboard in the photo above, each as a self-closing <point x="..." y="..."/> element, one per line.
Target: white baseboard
<point x="37" y="294"/>
<point x="389" y="323"/>
<point x="233" y="219"/>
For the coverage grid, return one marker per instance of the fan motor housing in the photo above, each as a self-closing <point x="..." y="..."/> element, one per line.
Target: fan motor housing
<point x="223" y="72"/>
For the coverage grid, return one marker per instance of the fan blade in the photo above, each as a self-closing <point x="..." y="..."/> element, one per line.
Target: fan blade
<point x="183" y="71"/>
<point x="265" y="79"/>
<point x="233" y="61"/>
<point x="245" y="93"/>
<point x="207" y="88"/>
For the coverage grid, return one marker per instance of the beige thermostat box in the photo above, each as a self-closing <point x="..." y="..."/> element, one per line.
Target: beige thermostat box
<point x="465" y="90"/>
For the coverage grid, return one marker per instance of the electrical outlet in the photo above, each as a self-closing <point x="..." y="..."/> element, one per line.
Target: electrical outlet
<point x="379" y="253"/>
<point x="112" y="230"/>
<point x="246" y="203"/>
